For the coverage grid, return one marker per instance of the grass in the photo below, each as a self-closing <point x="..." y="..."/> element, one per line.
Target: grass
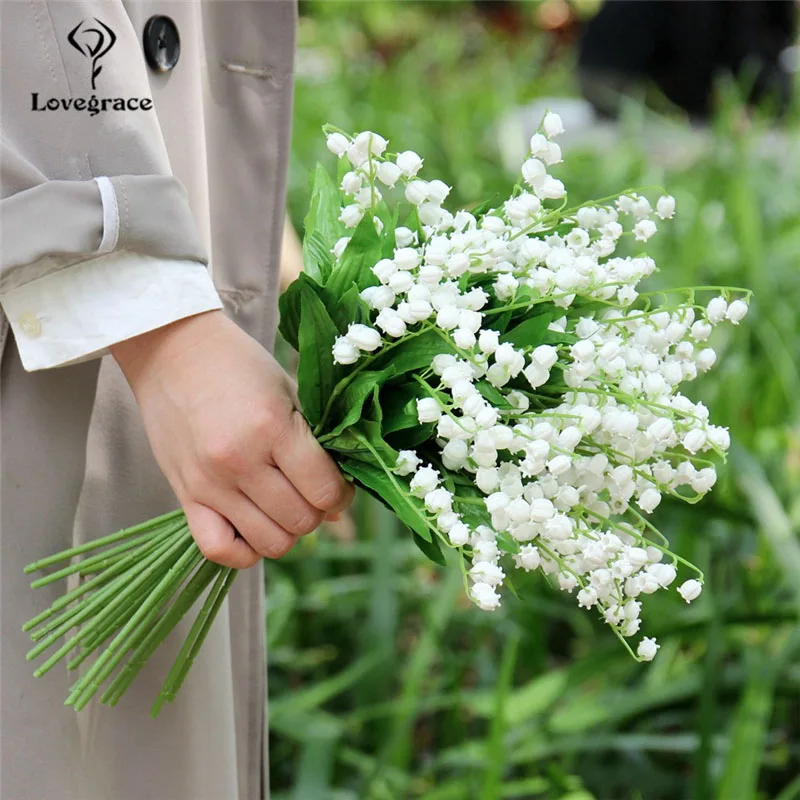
<point x="384" y="681"/>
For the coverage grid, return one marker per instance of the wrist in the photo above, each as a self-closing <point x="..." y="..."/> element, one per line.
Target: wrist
<point x="136" y="355"/>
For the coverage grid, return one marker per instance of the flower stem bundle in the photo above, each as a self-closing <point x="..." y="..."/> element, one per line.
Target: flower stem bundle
<point x="495" y="376"/>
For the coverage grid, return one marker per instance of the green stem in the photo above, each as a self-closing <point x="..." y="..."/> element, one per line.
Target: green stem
<point x="195" y="639"/>
<point x="64" y="555"/>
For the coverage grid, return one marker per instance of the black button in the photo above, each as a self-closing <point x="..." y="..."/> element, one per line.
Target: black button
<point x="162" y="44"/>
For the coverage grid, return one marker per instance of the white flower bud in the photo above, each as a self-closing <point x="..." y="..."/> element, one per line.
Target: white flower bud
<point x="351" y="183"/>
<point x="665" y="574"/>
<point x="417" y="192"/>
<point x="486" y="479"/>
<point x="428" y="410"/>
<point x="384" y="270"/>
<point x="438" y="500"/>
<point x="404" y="237"/>
<point x="534" y="172"/>
<point x="458" y="534"/>
<point x="389" y="321"/>
<point x="364" y="337"/>
<point x="541" y="510"/>
<point x="409" y="162"/>
<point x="552" y="124"/>
<point x="694" y="440"/>
<point x="649" y="499"/>
<point x="401" y="281"/>
<point x="425" y="480"/>
<point x="447" y="318"/>
<point x="665" y="207"/>
<point x="690" y="590"/>
<point x="706" y="359"/>
<point x="429" y="275"/>
<point x="488" y="341"/>
<point x="388" y="173"/>
<point x="545" y="355"/>
<point x="485" y="596"/>
<point x="344" y="351"/>
<point x="644" y="229"/>
<point x="716" y="310"/>
<point x="371" y="142"/>
<point x="528" y="558"/>
<point x="737" y="311"/>
<point x="337" y="143"/>
<point x="406" y="258"/>
<point x="351" y="215"/>
<point x="407" y="462"/>
<point x="647" y="649"/>
<point x="378" y="297"/>
<point x="438" y="191"/>
<point x="551" y="188"/>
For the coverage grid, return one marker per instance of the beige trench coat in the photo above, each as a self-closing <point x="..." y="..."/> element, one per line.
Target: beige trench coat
<point x="220" y="126"/>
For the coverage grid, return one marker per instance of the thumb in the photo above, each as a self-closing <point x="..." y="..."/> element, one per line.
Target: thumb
<point x="217" y="539"/>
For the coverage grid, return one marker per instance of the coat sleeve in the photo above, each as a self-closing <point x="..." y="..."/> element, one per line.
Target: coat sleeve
<point x="98" y="241"/>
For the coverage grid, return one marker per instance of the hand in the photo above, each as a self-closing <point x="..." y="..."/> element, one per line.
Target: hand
<point x="222" y="422"/>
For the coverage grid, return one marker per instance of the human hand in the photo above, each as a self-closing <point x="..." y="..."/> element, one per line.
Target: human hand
<point x="222" y="422"/>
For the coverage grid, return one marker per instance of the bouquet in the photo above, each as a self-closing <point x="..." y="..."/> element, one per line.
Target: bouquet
<point x="492" y="375"/>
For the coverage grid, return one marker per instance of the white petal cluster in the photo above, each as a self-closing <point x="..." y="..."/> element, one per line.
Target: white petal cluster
<point x="593" y="430"/>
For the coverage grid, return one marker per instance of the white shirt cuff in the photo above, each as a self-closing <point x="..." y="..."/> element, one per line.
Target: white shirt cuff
<point x="77" y="313"/>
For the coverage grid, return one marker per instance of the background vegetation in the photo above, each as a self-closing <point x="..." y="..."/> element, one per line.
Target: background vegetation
<point x="385" y="682"/>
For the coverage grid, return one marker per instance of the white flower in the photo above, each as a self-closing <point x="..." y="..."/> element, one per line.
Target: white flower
<point x="401" y="281"/>
<point x="534" y="172"/>
<point x="438" y="191"/>
<point x="716" y="310"/>
<point x="458" y="534"/>
<point x="665" y="207"/>
<point x="541" y="510"/>
<point x="485" y="596"/>
<point x="340" y="245"/>
<point x="337" y="143"/>
<point x="690" y="590"/>
<point x="647" y="649"/>
<point x="407" y="462"/>
<point x="665" y="574"/>
<point x="694" y="440"/>
<point x="528" y="557"/>
<point x="587" y="597"/>
<point x="644" y="229"/>
<point x="384" y="270"/>
<point x="417" y="192"/>
<point x="454" y="453"/>
<point x="649" y="499"/>
<point x="428" y="410"/>
<point x="737" y="311"/>
<point x="438" y="500"/>
<point x="409" y="162"/>
<point x="389" y="321"/>
<point x="706" y="359"/>
<point x="545" y="355"/>
<point x="351" y="215"/>
<point x="388" y="173"/>
<point x="406" y="258"/>
<point x="378" y="297"/>
<point x="371" y="142"/>
<point x="351" y="183"/>
<point x="488" y="341"/>
<point x="553" y="126"/>
<point x="536" y="374"/>
<point x="551" y="188"/>
<point x="404" y="237"/>
<point x="447" y="318"/>
<point x="344" y="351"/>
<point x="464" y="339"/>
<point x="364" y="337"/>
<point x="425" y="480"/>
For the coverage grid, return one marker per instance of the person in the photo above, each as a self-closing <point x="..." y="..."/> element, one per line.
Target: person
<point x="144" y="152"/>
<point x="682" y="47"/>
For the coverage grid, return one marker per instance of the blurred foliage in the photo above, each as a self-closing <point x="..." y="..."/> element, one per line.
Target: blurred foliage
<point x="385" y="682"/>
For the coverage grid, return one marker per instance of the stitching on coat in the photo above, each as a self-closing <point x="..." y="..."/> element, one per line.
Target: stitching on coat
<point x="43" y="38"/>
<point x="123" y="233"/>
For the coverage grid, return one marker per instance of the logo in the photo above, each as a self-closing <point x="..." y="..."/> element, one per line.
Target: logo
<point x="92" y="39"/>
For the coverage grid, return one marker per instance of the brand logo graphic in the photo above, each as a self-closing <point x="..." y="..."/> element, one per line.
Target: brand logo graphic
<point x="92" y="39"/>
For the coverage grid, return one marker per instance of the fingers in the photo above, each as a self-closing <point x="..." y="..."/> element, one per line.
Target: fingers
<point x="262" y="533"/>
<point x="217" y="539"/>
<point x="309" y="468"/>
<point x="270" y="490"/>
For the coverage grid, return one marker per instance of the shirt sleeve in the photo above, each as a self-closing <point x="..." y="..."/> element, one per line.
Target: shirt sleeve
<point x="73" y="315"/>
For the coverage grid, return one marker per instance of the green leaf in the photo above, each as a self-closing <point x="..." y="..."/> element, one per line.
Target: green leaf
<point x="431" y="549"/>
<point x="355" y="265"/>
<point x="289" y="307"/>
<point x="316" y="372"/>
<point x="414" y="353"/>
<point x="493" y="202"/>
<point x="409" y="509"/>
<point x="351" y="401"/>
<point x="493" y="395"/>
<point x="529" y="333"/>
<point x="322" y="226"/>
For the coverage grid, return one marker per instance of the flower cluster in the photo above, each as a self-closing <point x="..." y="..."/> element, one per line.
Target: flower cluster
<point x="571" y="432"/>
